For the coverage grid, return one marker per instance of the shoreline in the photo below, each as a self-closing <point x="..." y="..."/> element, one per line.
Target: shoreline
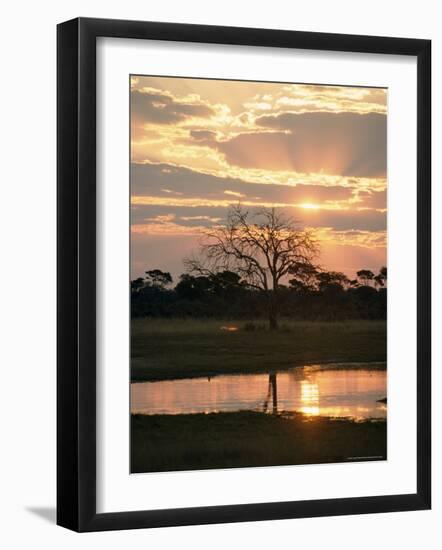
<point x="320" y="365"/>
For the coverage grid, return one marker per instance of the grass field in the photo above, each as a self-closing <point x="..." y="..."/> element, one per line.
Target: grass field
<point x="246" y="439"/>
<point x="178" y="348"/>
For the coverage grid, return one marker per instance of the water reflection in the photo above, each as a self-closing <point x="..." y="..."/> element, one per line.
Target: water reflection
<point x="309" y="398"/>
<point x="350" y="392"/>
<point x="273" y="393"/>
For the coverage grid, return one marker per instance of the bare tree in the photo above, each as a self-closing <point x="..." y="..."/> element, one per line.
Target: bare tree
<point x="262" y="247"/>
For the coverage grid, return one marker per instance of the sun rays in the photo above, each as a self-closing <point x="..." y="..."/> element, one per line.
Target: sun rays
<point x="199" y="146"/>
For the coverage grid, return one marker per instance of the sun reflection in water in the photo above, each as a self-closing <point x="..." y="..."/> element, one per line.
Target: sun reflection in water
<point x="312" y="391"/>
<point x="309" y="398"/>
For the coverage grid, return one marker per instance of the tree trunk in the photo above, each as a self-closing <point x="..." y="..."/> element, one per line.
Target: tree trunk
<point x="273" y="311"/>
<point x="273" y="321"/>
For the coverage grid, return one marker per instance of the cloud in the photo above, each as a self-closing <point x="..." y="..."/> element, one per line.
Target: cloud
<point x="168" y="181"/>
<point x="312" y="97"/>
<point x="202" y="135"/>
<point x="207" y="216"/>
<point x="347" y="144"/>
<point x="234" y="193"/>
<point x="183" y="215"/>
<point x="154" y="106"/>
<point x="301" y="98"/>
<point x="344" y="220"/>
<point x="353" y="237"/>
<point x="373" y="199"/>
<point x="200" y="146"/>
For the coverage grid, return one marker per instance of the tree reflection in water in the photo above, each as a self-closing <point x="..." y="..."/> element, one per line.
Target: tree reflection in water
<point x="273" y="393"/>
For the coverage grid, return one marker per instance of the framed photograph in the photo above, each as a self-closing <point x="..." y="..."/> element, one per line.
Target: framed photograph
<point x="243" y="274"/>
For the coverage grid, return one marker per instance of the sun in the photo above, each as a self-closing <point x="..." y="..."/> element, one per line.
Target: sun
<point x="309" y="206"/>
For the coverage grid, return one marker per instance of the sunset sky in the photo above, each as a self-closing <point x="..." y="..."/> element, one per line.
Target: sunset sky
<point x="198" y="146"/>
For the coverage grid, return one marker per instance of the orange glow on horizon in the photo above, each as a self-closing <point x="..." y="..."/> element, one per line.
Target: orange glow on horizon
<point x="309" y="206"/>
<point x="316" y="152"/>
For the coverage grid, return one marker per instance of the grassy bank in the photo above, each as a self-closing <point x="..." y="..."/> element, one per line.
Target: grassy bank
<point x="167" y="349"/>
<point x="246" y="439"/>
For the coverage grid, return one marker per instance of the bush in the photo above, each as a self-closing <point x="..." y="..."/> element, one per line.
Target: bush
<point x="250" y="326"/>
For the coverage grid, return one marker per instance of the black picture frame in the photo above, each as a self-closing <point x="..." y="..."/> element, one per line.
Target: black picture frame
<point x="76" y="272"/>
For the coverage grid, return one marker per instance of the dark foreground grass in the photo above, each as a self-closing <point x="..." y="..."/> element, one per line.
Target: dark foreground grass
<point x="249" y="439"/>
<point x="166" y="349"/>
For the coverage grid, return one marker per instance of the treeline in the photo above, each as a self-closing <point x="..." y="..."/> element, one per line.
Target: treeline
<point x="309" y="295"/>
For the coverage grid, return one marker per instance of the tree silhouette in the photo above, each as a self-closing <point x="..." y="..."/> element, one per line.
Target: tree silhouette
<point x="137" y="284"/>
<point x="332" y="278"/>
<point x="311" y="294"/>
<point x="381" y="278"/>
<point x="365" y="276"/>
<point x="261" y="247"/>
<point x="158" y="278"/>
<point x="304" y="277"/>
